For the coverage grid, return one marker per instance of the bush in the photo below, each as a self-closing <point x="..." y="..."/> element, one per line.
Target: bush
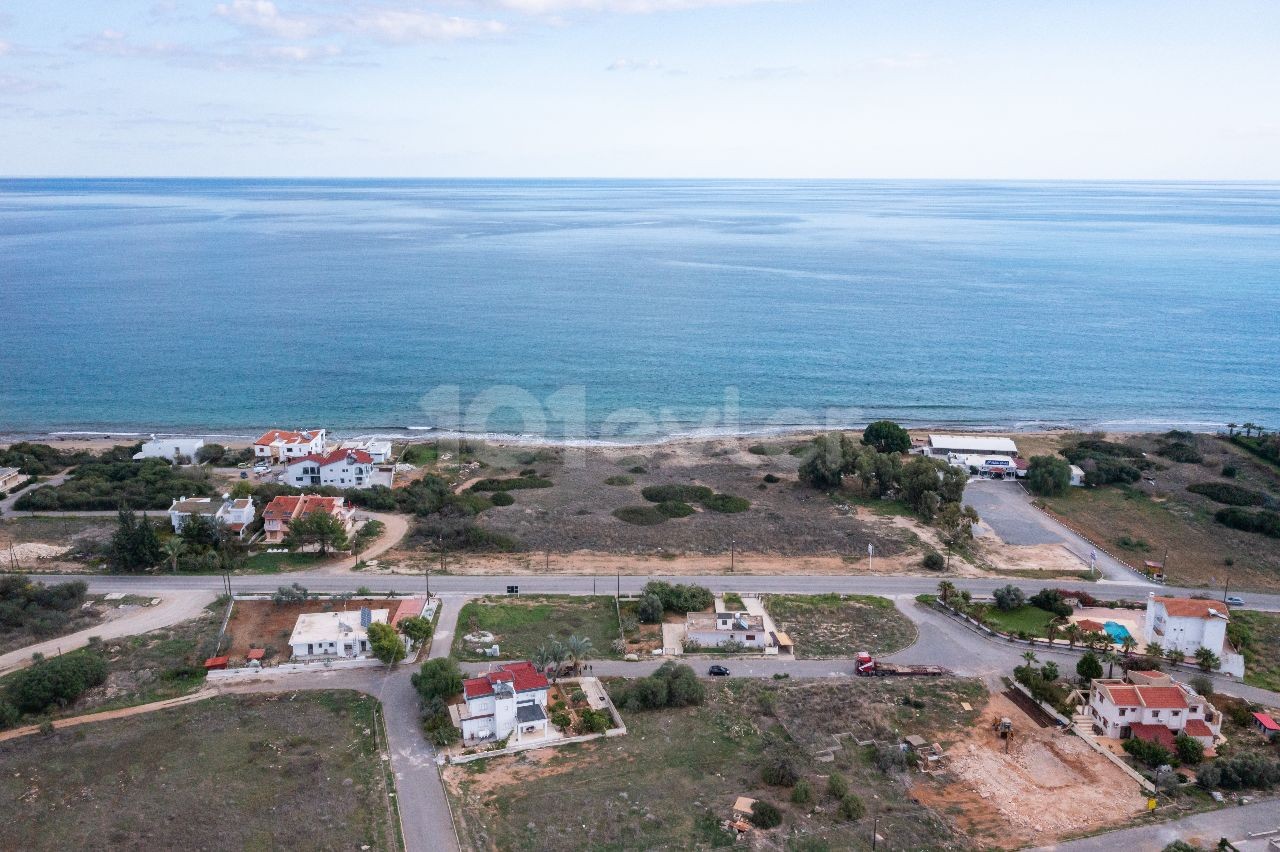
<point x="641" y="516"/>
<point x="680" y="597"/>
<point x="1265" y="522"/>
<point x="1202" y="685"/>
<point x="57" y="681"/>
<point x="512" y="483"/>
<point x="780" y="770"/>
<point x="620" y="479"/>
<point x="675" y="509"/>
<point x="561" y="719"/>
<point x="1181" y="452"/>
<point x="1149" y="753"/>
<point x="592" y="721"/>
<point x="772" y="478"/>
<point x="726" y="503"/>
<point x="1050" y="600"/>
<point x="1243" y="771"/>
<point x="501" y="498"/>
<point x="888" y="758"/>
<point x="682" y="493"/>
<point x="802" y="792"/>
<point x="1008" y="598"/>
<point x="1048" y="476"/>
<point x="672" y="685"/>
<point x="1190" y="751"/>
<point x="1230" y="471"/>
<point x="9" y="715"/>
<point x="852" y="808"/>
<point x="1228" y="493"/>
<point x="438" y="679"/>
<point x="650" y="609"/>
<point x="933" y="561"/>
<point x="885" y="436"/>
<point x="1088" y="667"/>
<point x="765" y="815"/>
<point x="837" y="786"/>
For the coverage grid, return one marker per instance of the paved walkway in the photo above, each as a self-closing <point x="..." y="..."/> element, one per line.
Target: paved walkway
<point x="6" y="505"/>
<point x="173" y="607"/>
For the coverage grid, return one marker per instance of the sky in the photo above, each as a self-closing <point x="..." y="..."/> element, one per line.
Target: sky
<point x="641" y="88"/>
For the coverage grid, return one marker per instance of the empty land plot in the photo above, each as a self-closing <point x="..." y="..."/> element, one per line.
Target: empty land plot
<point x="670" y="782"/>
<point x="253" y="772"/>
<point x="1048" y="785"/>
<point x="834" y="626"/>
<point x="520" y="625"/>
<point x="1257" y="634"/>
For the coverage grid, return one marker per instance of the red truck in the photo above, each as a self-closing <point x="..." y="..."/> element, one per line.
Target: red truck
<point x="865" y="666"/>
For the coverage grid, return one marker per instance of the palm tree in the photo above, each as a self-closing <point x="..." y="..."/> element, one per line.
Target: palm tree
<point x="1231" y="428"/>
<point x="1249" y="427"/>
<point x="541" y="658"/>
<point x="1074" y="633"/>
<point x="556" y="655"/>
<point x="1111" y="658"/>
<point x="946" y="589"/>
<point x="174" y="548"/>
<point x="578" y="648"/>
<point x="1206" y="659"/>
<point x="1051" y="630"/>
<point x="1174" y="656"/>
<point x="1030" y="657"/>
<point x="1154" y="650"/>
<point x="1128" y="643"/>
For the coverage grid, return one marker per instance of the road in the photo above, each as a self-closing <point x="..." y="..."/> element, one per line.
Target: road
<point x="1201" y="830"/>
<point x="1006" y="508"/>
<point x="6" y="505"/>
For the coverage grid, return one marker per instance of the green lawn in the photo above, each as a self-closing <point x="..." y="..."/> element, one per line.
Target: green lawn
<point x="520" y="624"/>
<point x="838" y="626"/>
<point x="1026" y="618"/>
<point x="670" y="781"/>
<point x="251" y="772"/>
<point x="1258" y="635"/>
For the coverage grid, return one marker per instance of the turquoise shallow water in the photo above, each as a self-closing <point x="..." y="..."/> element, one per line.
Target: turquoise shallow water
<point x="611" y="309"/>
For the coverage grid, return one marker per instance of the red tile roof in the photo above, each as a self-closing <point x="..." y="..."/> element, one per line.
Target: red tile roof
<point x="1122" y="695"/>
<point x="409" y="608"/>
<point x="1198" y="728"/>
<point x="1153" y="733"/>
<point x="331" y="458"/>
<point x="287" y="507"/>
<point x="255" y="654"/>
<point x="1088" y="625"/>
<point x="1266" y="722"/>
<point x="216" y="662"/>
<point x="1194" y="608"/>
<point x="522" y="676"/>
<point x="1162" y="697"/>
<point x="287" y="436"/>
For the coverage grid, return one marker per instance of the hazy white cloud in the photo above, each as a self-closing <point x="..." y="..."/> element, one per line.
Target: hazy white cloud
<point x="116" y="43"/>
<point x="400" y="26"/>
<point x="263" y="16"/>
<point x="553" y="7"/>
<point x="13" y="85"/>
<point x="5" y="47"/>
<point x="899" y="63"/>
<point x="634" y="65"/>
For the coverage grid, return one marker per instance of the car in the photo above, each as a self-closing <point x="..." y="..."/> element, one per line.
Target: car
<point x="718" y="671"/>
<point x="244" y="474"/>
<point x="243" y="465"/>
<point x="1233" y="600"/>
<point x="262" y="467"/>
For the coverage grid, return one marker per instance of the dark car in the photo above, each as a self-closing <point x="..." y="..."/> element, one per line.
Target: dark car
<point x="718" y="671"/>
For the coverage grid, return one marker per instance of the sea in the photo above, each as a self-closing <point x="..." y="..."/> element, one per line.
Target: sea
<point x="633" y="311"/>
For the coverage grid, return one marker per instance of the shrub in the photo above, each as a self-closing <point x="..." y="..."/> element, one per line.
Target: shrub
<point x="561" y="719"/>
<point x="438" y="679"/>
<point x="9" y="715"/>
<point x="1202" y="685"/>
<point x="672" y="685"/>
<point x="1048" y="476"/>
<point x="683" y="493"/>
<point x="1088" y="667"/>
<point x="1190" y="750"/>
<point x="885" y="436"/>
<point x="501" y="498"/>
<point x="765" y="815"/>
<point x="837" y="786"/>
<point x="650" y="608"/>
<point x="933" y="561"/>
<point x="641" y="516"/>
<point x="512" y="483"/>
<point x="1050" y="600"/>
<point x="1181" y="452"/>
<point x="675" y="509"/>
<point x="772" y="478"/>
<point x="889" y="757"/>
<point x="1149" y="753"/>
<point x="727" y="503"/>
<point x="1230" y="471"/>
<point x="57" y="681"/>
<point x="1008" y="598"/>
<point x="593" y="721"/>
<point x="680" y="597"/>
<point x="1228" y="493"/>
<point x="620" y="479"/>
<point x="852" y="808"/>
<point x="1265" y="522"/>
<point x="780" y="770"/>
<point x="802" y="792"/>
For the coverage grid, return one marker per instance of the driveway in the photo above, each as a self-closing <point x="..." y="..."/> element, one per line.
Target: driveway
<point x="6" y="505"/>
<point x="1006" y="507"/>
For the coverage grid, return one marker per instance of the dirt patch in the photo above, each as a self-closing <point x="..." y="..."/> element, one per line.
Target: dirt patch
<point x="263" y="624"/>
<point x="1048" y="784"/>
<point x="839" y="626"/>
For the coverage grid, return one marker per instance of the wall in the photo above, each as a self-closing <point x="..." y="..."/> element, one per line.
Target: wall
<point x="289" y="668"/>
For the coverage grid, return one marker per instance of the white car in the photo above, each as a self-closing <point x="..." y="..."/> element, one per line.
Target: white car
<point x="1233" y="600"/>
<point x="261" y="467"/>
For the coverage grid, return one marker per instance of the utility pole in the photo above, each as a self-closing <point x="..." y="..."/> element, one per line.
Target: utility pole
<point x="875" y="833"/>
<point x="731" y="554"/>
<point x="618" y="595"/>
<point x="1164" y="564"/>
<point x="871" y="552"/>
<point x="1226" y="589"/>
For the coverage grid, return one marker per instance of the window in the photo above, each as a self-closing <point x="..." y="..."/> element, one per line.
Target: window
<point x="1176" y="713"/>
<point x="751" y="638"/>
<point x="1123" y="711"/>
<point x="1155" y="714"/>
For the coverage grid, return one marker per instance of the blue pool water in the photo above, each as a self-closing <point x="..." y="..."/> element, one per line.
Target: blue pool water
<point x="1117" y="632"/>
<point x="635" y="309"/>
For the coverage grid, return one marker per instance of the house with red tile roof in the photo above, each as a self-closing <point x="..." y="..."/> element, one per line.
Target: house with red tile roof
<point x="1122" y="709"/>
<point x="285" y="509"/>
<point x="282" y="445"/>
<point x="1189" y="624"/>
<point x="510" y="700"/>
<point x="340" y="468"/>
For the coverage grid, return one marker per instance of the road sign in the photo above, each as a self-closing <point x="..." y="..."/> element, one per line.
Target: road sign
<point x="513" y="590"/>
<point x="871" y="549"/>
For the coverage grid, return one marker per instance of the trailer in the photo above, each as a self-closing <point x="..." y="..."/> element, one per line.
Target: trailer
<point x="866" y="666"/>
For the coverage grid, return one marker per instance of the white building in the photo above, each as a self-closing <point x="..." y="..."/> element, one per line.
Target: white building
<point x="984" y="463"/>
<point x="1151" y="706"/>
<point x="711" y="630"/>
<point x="281" y="445"/>
<point x="379" y="451"/>
<point x="511" y="700"/>
<point x="170" y="448"/>
<point x="1077" y="476"/>
<point x="970" y="445"/>
<point x="340" y="468"/>
<point x="235" y="515"/>
<point x="321" y="635"/>
<point x="10" y="478"/>
<point x="1189" y="624"/>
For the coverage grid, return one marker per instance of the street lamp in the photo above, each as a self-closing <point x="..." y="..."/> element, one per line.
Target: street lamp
<point x="731" y="554"/>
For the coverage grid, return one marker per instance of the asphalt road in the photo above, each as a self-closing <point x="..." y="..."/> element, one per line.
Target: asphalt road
<point x="1201" y="830"/>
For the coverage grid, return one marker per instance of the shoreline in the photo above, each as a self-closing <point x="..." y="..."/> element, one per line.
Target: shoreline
<point x="103" y="439"/>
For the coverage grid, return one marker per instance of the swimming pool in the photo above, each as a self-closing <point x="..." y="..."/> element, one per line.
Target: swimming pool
<point x="1118" y="632"/>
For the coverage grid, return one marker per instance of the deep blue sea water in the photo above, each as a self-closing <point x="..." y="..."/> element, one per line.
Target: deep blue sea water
<point x="623" y="309"/>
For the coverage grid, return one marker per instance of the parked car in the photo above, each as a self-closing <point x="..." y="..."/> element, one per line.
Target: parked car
<point x="1234" y="600"/>
<point x="262" y="467"/>
<point x="718" y="671"/>
<point x="243" y="464"/>
<point x="244" y="474"/>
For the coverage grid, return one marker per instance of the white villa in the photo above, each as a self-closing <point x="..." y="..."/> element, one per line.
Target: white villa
<point x="711" y="630"/>
<point x="340" y="468"/>
<point x="323" y="635"/>
<point x="510" y="700"/>
<point x="1189" y="624"/>
<point x="379" y="451"/>
<point x="1151" y="706"/>
<point x="235" y="515"/>
<point x="281" y="445"/>
<point x="10" y="477"/>
<point x="169" y="448"/>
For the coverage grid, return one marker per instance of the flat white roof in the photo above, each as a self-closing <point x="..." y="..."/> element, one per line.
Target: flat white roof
<point x="332" y="626"/>
<point x="958" y="443"/>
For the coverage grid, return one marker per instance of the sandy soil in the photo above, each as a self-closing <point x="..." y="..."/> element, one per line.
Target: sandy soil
<point x="1048" y="785"/>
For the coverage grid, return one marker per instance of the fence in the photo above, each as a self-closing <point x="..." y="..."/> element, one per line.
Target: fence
<point x="247" y="672"/>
